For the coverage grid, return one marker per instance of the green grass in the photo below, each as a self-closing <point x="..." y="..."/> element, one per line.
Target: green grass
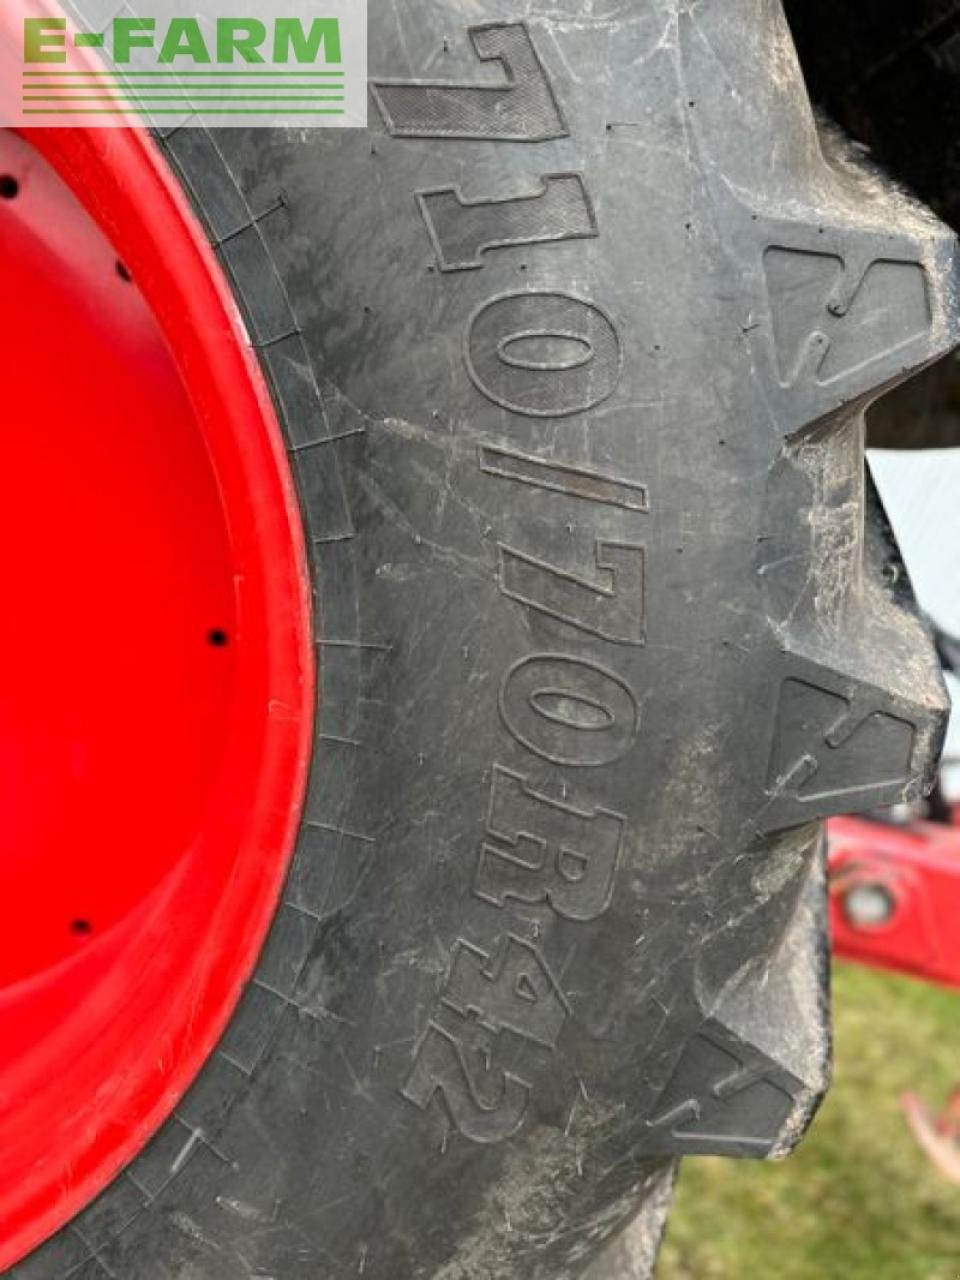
<point x="858" y="1200"/>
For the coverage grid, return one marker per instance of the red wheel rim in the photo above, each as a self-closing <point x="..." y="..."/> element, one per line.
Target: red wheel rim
<point x="157" y="714"/>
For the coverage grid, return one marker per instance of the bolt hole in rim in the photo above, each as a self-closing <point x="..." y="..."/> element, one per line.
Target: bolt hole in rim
<point x="156" y="702"/>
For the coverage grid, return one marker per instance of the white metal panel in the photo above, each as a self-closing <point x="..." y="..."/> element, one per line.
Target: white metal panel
<point x="921" y="492"/>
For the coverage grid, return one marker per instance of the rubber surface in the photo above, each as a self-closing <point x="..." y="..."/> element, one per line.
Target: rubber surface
<point x="889" y="75"/>
<point x="571" y="349"/>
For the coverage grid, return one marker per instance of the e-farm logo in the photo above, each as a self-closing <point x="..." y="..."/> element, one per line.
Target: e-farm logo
<point x="204" y="62"/>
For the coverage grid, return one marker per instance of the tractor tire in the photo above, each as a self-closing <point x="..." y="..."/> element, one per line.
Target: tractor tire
<point x="571" y="348"/>
<point x="889" y="75"/>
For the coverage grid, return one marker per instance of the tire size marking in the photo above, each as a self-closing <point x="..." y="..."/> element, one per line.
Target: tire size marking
<point x="543" y="355"/>
<point x="562" y="477"/>
<point x="538" y="849"/>
<point x="537" y="354"/>
<point x="521" y="109"/>
<point x="568" y="710"/>
<point x="461" y="230"/>
<point x="485" y="1103"/>
<point x="611" y="609"/>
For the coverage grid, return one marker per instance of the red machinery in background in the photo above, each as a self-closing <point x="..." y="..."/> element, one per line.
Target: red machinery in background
<point x="894" y="886"/>
<point x="895" y="904"/>
<point x="895" y="881"/>
<point x="895" y="894"/>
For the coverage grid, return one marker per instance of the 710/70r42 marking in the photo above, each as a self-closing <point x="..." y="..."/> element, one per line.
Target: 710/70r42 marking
<point x="574" y="712"/>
